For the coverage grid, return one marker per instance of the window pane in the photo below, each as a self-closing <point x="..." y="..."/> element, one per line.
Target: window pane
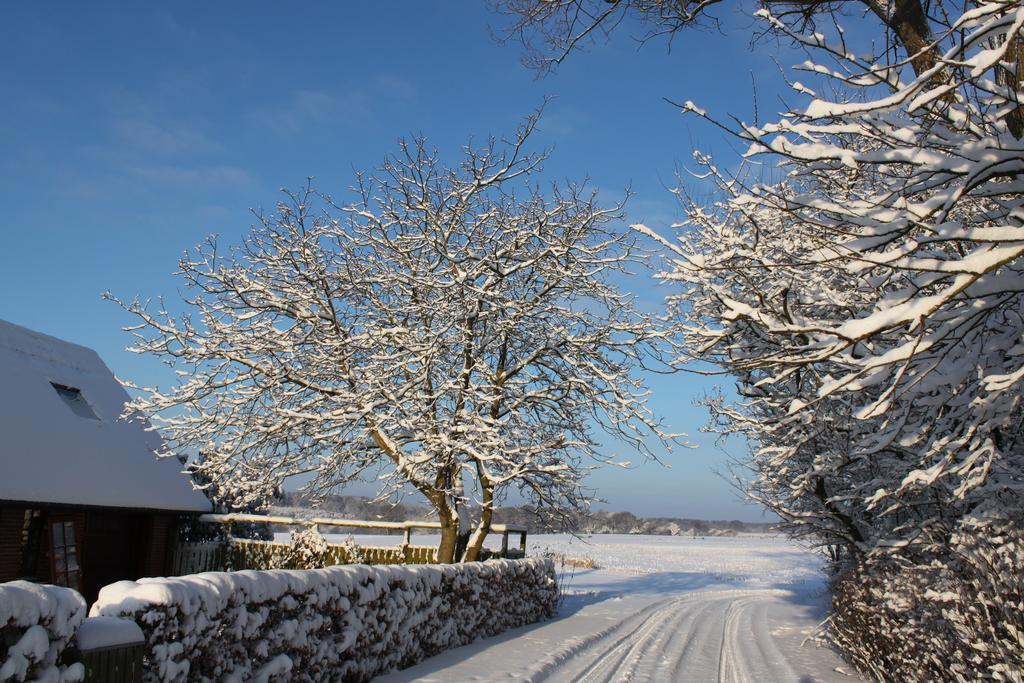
<point x="69" y="533"/>
<point x="72" y="580"/>
<point x="72" y="562"/>
<point x="58" y="534"/>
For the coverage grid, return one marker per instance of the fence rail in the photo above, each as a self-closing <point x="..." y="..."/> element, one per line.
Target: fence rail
<point x="191" y="558"/>
<point x="407" y="527"/>
<point x="252" y="554"/>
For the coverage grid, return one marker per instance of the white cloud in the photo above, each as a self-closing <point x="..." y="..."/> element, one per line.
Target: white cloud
<point x="164" y="139"/>
<point x="212" y="177"/>
<point x="306" y="108"/>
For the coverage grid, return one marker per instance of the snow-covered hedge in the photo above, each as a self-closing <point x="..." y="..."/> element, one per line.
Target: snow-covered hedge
<point x="36" y="624"/>
<point x="339" y="623"/>
<point x="953" y="613"/>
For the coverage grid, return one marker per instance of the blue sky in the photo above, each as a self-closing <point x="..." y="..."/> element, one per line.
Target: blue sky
<point x="132" y="131"/>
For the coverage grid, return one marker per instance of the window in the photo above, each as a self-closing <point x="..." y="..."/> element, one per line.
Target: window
<point x="64" y="554"/>
<point x="73" y="397"/>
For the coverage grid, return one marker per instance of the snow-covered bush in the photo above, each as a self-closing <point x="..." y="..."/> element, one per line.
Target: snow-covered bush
<point x="308" y="550"/>
<point x="356" y="554"/>
<point x="247" y="554"/>
<point x="36" y="624"/>
<point x="338" y="623"/>
<point x="938" y="615"/>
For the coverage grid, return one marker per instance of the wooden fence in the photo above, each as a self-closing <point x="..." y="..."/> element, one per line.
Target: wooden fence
<point x="250" y="554"/>
<point x="114" y="664"/>
<point x="192" y="558"/>
<point x="237" y="553"/>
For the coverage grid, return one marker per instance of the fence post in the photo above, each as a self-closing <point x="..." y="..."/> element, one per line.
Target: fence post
<point x="230" y="550"/>
<point x="407" y="544"/>
<point x="522" y="542"/>
<point x="504" y="543"/>
<point x="176" y="558"/>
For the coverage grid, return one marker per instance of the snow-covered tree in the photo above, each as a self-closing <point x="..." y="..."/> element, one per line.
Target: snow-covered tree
<point x="551" y="30"/>
<point x="879" y="287"/>
<point x="871" y="307"/>
<point x="731" y="258"/>
<point x="456" y="330"/>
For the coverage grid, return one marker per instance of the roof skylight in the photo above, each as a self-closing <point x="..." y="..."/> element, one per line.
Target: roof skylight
<point x="73" y="397"/>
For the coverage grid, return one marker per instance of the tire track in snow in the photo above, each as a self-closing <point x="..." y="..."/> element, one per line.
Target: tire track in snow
<point x="647" y="651"/>
<point x="599" y="645"/>
<point x="687" y="644"/>
<point x="727" y="670"/>
<point x="696" y="636"/>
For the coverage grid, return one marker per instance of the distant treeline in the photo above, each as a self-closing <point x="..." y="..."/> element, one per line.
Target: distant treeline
<point x="590" y="522"/>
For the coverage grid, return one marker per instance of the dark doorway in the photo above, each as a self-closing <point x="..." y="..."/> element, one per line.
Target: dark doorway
<point x="114" y="549"/>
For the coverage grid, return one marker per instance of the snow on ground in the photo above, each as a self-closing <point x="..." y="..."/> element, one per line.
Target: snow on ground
<point x="661" y="608"/>
<point x="749" y="559"/>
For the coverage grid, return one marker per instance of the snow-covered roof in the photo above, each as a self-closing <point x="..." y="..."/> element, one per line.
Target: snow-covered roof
<point x="60" y="437"/>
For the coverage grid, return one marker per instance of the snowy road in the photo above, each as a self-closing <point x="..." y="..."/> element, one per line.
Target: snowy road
<point x="727" y="636"/>
<point x="708" y="610"/>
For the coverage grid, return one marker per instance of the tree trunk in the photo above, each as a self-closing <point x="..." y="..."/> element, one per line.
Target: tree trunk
<point x="854" y="537"/>
<point x="476" y="542"/>
<point x="461" y="546"/>
<point x="1012" y="79"/>
<point x="455" y="526"/>
<point x="908" y="21"/>
<point x="449" y="539"/>
<point x="446" y="551"/>
<point x="911" y="25"/>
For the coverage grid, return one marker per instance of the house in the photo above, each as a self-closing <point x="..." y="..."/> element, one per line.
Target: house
<point x="84" y="501"/>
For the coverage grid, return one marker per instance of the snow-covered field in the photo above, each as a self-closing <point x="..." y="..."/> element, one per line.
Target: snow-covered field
<point x="760" y="560"/>
<point x="660" y="608"/>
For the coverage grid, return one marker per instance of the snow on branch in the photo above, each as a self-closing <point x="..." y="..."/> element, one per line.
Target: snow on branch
<point x="453" y="329"/>
<point x="871" y="305"/>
